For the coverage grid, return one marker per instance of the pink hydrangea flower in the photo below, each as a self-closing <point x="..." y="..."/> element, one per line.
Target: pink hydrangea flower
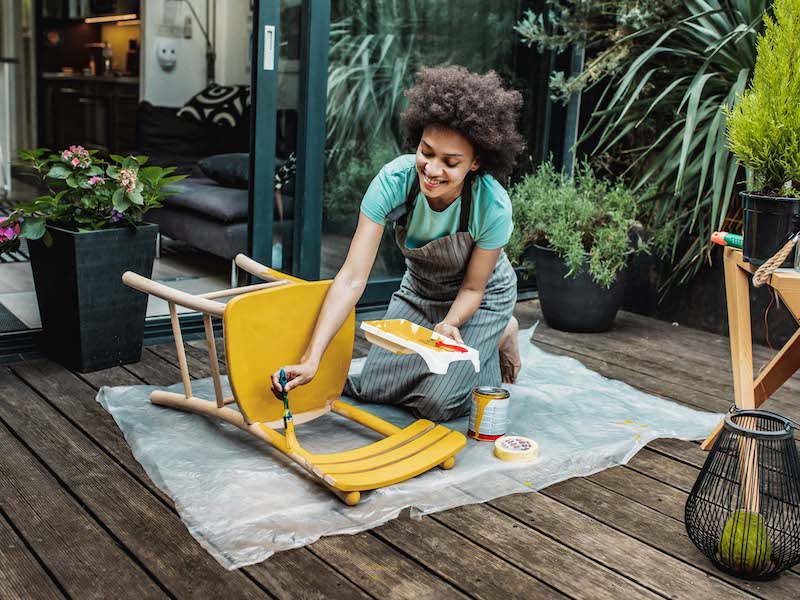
<point x="77" y="156"/>
<point x="95" y="180"/>
<point x="8" y="233"/>
<point x="127" y="179"/>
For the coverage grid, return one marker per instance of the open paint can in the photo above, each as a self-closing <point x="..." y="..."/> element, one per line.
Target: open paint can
<point x="488" y="417"/>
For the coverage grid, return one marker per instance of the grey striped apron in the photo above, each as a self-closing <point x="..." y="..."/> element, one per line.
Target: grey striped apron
<point x="433" y="276"/>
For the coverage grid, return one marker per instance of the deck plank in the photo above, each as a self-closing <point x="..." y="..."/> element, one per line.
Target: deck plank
<point x="75" y="399"/>
<point x="463" y="563"/>
<point x="380" y="570"/>
<point x="657" y="530"/>
<point x="21" y="574"/>
<point x="61" y="533"/>
<point x="670" y="353"/>
<point x="154" y="370"/>
<point x="537" y="554"/>
<point x="301" y="574"/>
<point x="649" y="567"/>
<point x="156" y="537"/>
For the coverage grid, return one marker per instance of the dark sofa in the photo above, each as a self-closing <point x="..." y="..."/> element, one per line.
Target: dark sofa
<point x="205" y="214"/>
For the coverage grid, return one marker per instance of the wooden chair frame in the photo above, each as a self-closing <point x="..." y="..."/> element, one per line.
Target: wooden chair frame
<point x="402" y="454"/>
<point x="750" y="393"/>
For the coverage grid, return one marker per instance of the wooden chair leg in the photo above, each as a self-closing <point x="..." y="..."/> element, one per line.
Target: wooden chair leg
<point x="176" y="332"/>
<point x="737" y="291"/>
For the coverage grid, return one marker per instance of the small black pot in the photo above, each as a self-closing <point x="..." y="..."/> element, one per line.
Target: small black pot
<point x="90" y="319"/>
<point x="576" y="304"/>
<point x="769" y="222"/>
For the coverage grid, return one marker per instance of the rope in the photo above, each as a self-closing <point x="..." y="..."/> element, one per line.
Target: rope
<point x="766" y="270"/>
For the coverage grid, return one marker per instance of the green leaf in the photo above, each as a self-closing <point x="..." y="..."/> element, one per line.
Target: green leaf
<point x="111" y="171"/>
<point x="150" y="173"/>
<point x="136" y="198"/>
<point x="173" y="179"/>
<point x="71" y="181"/>
<point x="58" y="172"/>
<point x="119" y="200"/>
<point x="117" y="158"/>
<point x="141" y="159"/>
<point x="32" y="228"/>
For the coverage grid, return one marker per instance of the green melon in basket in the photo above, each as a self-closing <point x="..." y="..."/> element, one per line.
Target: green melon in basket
<point x="744" y="544"/>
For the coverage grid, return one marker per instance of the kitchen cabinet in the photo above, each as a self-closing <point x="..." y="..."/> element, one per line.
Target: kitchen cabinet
<point x="96" y="112"/>
<point x="63" y="10"/>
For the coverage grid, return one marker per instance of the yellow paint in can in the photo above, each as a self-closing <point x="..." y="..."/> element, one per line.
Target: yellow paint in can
<point x="482" y="397"/>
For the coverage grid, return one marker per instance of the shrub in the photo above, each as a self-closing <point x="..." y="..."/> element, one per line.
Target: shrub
<point x="581" y="217"/>
<point x="764" y="127"/>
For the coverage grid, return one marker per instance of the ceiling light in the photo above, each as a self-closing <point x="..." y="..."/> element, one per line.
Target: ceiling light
<point x="109" y="18"/>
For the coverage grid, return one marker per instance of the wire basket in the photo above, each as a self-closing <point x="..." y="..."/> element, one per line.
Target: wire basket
<point x="744" y="510"/>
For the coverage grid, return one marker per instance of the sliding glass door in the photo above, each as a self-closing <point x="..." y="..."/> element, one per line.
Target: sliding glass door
<point x="330" y="85"/>
<point x="290" y="58"/>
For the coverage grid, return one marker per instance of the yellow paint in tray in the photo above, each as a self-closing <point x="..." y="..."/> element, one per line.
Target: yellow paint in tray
<point x="408" y="331"/>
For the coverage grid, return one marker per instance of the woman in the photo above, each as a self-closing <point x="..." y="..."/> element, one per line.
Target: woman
<point x="452" y="219"/>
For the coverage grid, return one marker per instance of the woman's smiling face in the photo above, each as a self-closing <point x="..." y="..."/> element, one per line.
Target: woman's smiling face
<point x="444" y="157"/>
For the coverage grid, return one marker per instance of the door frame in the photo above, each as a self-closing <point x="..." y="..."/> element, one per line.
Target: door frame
<point x="310" y="154"/>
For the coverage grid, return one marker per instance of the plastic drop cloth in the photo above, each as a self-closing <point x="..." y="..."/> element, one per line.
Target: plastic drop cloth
<point x="244" y="501"/>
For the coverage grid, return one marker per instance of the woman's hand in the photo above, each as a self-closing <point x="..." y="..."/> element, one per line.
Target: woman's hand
<point x="449" y="331"/>
<point x="296" y="375"/>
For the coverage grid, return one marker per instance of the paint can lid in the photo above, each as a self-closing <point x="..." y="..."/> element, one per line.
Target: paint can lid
<point x="515" y="448"/>
<point x="494" y="392"/>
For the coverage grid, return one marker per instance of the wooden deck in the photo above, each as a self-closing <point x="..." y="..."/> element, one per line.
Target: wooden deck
<point x="79" y="518"/>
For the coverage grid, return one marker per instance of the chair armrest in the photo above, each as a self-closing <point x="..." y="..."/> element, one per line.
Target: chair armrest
<point x="197" y="303"/>
<point x="247" y="264"/>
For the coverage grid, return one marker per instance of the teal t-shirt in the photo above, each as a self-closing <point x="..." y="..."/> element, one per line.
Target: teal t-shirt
<point x="490" y="222"/>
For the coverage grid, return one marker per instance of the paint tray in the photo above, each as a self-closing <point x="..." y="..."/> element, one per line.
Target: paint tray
<point x="404" y="337"/>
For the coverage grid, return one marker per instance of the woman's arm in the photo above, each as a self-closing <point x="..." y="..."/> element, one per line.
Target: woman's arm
<point x="470" y="294"/>
<point x="342" y="296"/>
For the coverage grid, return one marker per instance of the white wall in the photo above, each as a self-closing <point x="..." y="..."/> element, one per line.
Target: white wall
<point x="232" y="44"/>
<point x="172" y="88"/>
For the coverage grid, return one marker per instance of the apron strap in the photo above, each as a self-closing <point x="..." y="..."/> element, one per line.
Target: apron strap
<point x="402" y="213"/>
<point x="466" y="204"/>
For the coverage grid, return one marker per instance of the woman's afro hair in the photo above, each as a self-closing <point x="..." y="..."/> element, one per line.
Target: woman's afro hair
<point x="475" y="105"/>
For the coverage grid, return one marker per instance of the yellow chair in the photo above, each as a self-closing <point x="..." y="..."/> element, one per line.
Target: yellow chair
<point x="266" y="326"/>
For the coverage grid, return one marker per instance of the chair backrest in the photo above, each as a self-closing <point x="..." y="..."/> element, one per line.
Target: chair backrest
<point x="270" y="328"/>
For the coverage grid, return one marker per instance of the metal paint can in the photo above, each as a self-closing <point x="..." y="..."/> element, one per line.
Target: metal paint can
<point x="488" y="415"/>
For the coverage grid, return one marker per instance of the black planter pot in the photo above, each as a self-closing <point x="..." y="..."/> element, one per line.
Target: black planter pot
<point x="90" y="319"/>
<point x="576" y="304"/>
<point x="769" y="222"/>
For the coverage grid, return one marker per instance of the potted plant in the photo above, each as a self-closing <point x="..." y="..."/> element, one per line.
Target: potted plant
<point x="579" y="233"/>
<point x="83" y="235"/>
<point x="764" y="135"/>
